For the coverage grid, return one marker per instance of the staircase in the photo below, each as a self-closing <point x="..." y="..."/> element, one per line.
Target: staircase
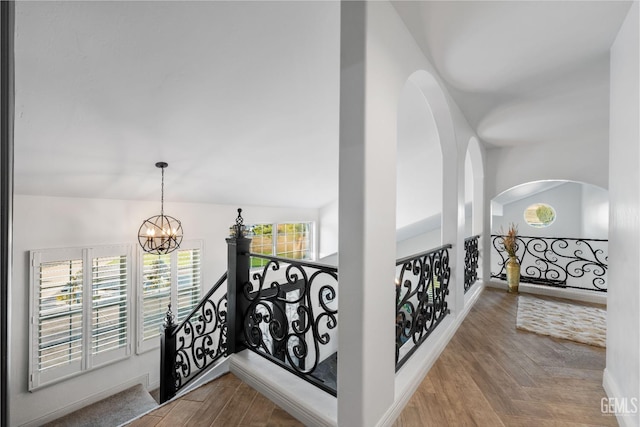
<point x="112" y="411"/>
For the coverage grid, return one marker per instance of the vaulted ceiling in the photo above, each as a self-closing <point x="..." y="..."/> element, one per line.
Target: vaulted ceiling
<point x="523" y="72"/>
<point x="241" y="98"/>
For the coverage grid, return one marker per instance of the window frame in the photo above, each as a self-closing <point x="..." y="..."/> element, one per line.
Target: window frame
<point x="144" y="345"/>
<point x="88" y="360"/>
<point x="274" y="242"/>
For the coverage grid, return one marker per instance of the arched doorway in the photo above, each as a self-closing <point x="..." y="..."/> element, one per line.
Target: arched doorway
<point x="562" y="231"/>
<point x="419" y="174"/>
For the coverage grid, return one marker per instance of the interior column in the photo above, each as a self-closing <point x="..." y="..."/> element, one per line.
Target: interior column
<point x="367" y="244"/>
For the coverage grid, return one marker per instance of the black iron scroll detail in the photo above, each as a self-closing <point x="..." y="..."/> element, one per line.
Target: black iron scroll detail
<point x="290" y="315"/>
<point x="201" y="338"/>
<point x="557" y="261"/>
<point x="422" y="287"/>
<point x="471" y="255"/>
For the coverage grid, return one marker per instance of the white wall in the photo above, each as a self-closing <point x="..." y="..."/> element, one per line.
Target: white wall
<point x="419" y="163"/>
<point x="51" y="222"/>
<point x="622" y="374"/>
<point x="595" y="212"/>
<point x="420" y="243"/>
<point x="368" y="132"/>
<point x="328" y="230"/>
<point x="566" y="199"/>
<point x="559" y="160"/>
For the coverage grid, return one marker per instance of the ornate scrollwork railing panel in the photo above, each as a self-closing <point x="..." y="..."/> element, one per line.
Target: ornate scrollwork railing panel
<point x="471" y="255"/>
<point x="291" y="316"/>
<point x="556" y="261"/>
<point x="422" y="287"/>
<point x="201" y="338"/>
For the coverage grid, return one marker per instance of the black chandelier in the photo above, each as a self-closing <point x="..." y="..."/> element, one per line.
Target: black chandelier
<point x="160" y="234"/>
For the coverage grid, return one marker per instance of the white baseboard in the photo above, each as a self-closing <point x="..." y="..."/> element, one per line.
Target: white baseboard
<point x="212" y="373"/>
<point x="306" y="402"/>
<point x="567" y="293"/>
<point x="613" y="390"/>
<point x="411" y="375"/>
<point x="143" y="380"/>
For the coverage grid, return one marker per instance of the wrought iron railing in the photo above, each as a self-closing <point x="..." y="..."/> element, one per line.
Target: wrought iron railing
<point x="422" y="287"/>
<point x="196" y="343"/>
<point x="291" y="316"/>
<point x="556" y="261"/>
<point x="471" y="255"/>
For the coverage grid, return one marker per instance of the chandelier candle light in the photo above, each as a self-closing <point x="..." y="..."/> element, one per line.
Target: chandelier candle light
<point x="160" y="234"/>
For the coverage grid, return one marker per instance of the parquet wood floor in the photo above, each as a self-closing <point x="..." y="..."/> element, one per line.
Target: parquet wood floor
<point x="489" y="375"/>
<point x="224" y="402"/>
<point x="492" y="374"/>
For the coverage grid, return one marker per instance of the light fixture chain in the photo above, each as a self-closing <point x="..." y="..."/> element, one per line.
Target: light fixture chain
<point x="162" y="195"/>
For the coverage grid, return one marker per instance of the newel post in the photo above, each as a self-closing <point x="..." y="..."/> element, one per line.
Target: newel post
<point x="168" y="358"/>
<point x="237" y="276"/>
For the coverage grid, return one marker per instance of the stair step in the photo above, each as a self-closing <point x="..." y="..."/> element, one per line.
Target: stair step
<point x="112" y="411"/>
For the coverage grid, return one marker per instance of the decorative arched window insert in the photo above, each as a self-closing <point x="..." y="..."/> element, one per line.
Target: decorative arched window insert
<point x="539" y="215"/>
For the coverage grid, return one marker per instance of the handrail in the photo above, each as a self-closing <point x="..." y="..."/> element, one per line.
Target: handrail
<point x="304" y="263"/>
<point x="421" y="254"/>
<point x="288" y="319"/>
<point x="195" y="344"/>
<point x="555" y="238"/>
<point x="471" y="256"/>
<point x="564" y="262"/>
<point x="208" y="295"/>
<point x="422" y="287"/>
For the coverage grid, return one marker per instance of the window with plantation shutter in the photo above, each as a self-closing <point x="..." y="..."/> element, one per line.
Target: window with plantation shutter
<point x="156" y="292"/>
<point x="80" y="311"/>
<point x="174" y="279"/>
<point x="109" y="308"/>
<point x="188" y="281"/>
<point x="60" y="314"/>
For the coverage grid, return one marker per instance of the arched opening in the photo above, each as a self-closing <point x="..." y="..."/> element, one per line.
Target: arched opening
<point x="427" y="211"/>
<point x="473" y="213"/>
<point x="474" y="187"/>
<point x="419" y="174"/>
<point x="562" y="233"/>
<point x="468" y="196"/>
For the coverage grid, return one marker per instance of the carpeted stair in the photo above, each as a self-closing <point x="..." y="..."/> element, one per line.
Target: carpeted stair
<point x="110" y="412"/>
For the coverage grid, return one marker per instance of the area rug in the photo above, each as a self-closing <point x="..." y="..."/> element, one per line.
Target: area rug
<point x="112" y="411"/>
<point x="575" y="322"/>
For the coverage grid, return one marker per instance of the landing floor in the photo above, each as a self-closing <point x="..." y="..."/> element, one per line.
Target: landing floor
<point x="489" y="375"/>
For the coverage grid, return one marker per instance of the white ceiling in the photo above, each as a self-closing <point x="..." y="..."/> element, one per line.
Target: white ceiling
<point x="523" y="72"/>
<point x="241" y="98"/>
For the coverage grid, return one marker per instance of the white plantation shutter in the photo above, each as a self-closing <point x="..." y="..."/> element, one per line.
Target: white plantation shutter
<point x="60" y="314"/>
<point x="109" y="308"/>
<point x="188" y="281"/>
<point x="156" y="292"/>
<point x="173" y="278"/>
<point x="79" y="312"/>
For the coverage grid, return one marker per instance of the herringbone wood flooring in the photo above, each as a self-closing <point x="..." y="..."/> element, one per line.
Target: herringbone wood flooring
<point x="224" y="402"/>
<point x="489" y="375"/>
